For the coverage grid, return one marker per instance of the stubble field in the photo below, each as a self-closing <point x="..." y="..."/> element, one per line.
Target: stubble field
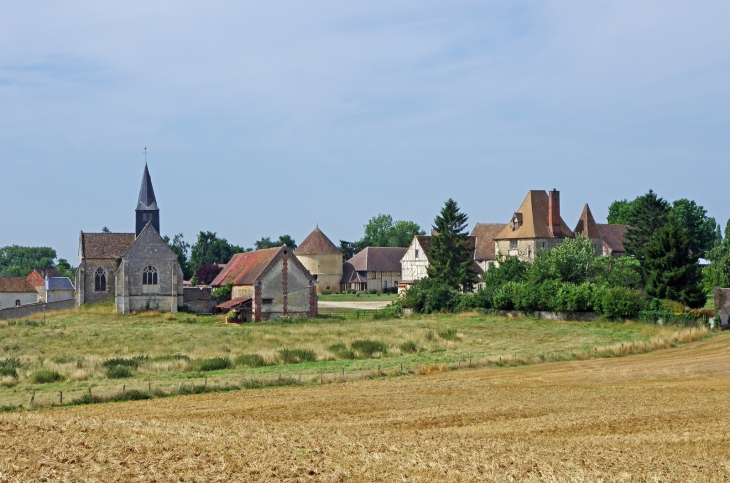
<point x="660" y="416"/>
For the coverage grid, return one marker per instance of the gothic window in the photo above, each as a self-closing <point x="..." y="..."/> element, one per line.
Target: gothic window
<point x="100" y="280"/>
<point x="149" y="276"/>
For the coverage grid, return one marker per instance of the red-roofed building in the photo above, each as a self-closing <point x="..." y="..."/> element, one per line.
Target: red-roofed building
<point x="609" y="239"/>
<point x="275" y="279"/>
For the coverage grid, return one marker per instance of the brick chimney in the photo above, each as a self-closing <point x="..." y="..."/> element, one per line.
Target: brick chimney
<point x="554" y="212"/>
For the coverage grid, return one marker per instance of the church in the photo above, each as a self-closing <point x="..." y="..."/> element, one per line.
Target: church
<point x="139" y="270"/>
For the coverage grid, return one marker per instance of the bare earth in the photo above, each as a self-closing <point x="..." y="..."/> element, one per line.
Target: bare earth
<point x="661" y="416"/>
<point x="370" y="305"/>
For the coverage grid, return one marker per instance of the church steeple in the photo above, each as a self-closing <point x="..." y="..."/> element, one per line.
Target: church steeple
<point x="147" y="210"/>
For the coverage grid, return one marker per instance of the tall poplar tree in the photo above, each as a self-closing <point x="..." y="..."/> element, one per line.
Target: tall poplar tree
<point x="671" y="267"/>
<point x="450" y="256"/>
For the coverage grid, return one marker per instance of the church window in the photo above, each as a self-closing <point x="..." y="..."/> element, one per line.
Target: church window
<point x="100" y="280"/>
<point x="149" y="276"/>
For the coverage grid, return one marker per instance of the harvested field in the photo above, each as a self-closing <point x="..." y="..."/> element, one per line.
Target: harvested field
<point x="660" y="416"/>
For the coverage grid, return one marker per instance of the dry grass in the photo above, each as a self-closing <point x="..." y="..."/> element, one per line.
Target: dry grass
<point x="660" y="416"/>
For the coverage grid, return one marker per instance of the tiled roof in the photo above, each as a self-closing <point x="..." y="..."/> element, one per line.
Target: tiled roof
<point x="317" y="243"/>
<point x="233" y="303"/>
<point x="350" y="275"/>
<point x="535" y="219"/>
<point x="246" y="268"/>
<point x="59" y="283"/>
<point x="485" y="234"/>
<point x="16" y="285"/>
<point x="105" y="245"/>
<point x="378" y="259"/>
<point x="613" y="236"/>
<point x="587" y="224"/>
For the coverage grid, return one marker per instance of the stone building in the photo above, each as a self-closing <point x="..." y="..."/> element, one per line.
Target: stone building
<point x="609" y="239"/>
<point x="536" y="225"/>
<point x="268" y="284"/>
<point x="485" y="233"/>
<point x="415" y="261"/>
<point x="374" y="268"/>
<point x="16" y="291"/>
<point x="323" y="260"/>
<point x="37" y="278"/>
<point x="138" y="269"/>
<point x="58" y="289"/>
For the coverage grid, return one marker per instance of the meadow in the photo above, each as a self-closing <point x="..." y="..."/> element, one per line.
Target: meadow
<point x="91" y="350"/>
<point x="659" y="416"/>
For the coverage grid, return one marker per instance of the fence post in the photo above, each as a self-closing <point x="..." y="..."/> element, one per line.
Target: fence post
<point x="149" y="387"/>
<point x="124" y="390"/>
<point x="60" y="397"/>
<point x="401" y="368"/>
<point x="343" y="373"/>
<point x="178" y="386"/>
<point x="378" y="369"/>
<point x="206" y="383"/>
<point x="459" y="363"/>
<point x="32" y="398"/>
<point x="91" y="399"/>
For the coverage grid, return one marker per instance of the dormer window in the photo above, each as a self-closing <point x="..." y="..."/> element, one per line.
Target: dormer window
<point x="516" y="221"/>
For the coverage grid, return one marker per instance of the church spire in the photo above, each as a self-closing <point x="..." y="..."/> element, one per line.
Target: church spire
<point x="147" y="209"/>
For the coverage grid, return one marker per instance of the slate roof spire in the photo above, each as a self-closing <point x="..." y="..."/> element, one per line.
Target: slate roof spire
<point x="147" y="199"/>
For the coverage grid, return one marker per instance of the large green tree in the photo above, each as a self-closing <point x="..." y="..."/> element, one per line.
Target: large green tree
<point x="702" y="229"/>
<point x="450" y="256"/>
<point x="621" y="212"/>
<point x="18" y="261"/>
<point x="571" y="262"/>
<point x="382" y="231"/>
<point x="181" y="249"/>
<point x="649" y="213"/>
<point x="266" y="242"/>
<point x="208" y="248"/>
<point x="671" y="268"/>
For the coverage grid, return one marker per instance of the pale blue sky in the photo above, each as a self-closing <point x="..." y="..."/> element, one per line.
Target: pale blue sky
<point x="270" y="117"/>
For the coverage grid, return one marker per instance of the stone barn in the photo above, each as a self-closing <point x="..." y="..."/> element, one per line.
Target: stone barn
<point x="323" y="260"/>
<point x="275" y="282"/>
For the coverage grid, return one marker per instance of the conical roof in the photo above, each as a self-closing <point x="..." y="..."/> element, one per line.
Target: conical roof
<point x="147" y="199"/>
<point x="317" y="243"/>
<point x="587" y="224"/>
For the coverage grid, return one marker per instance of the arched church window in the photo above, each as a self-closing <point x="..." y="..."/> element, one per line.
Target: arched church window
<point x="149" y="276"/>
<point x="100" y="280"/>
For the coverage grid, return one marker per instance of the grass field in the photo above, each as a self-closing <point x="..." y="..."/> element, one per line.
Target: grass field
<point x="363" y="297"/>
<point x="660" y="416"/>
<point x="70" y="352"/>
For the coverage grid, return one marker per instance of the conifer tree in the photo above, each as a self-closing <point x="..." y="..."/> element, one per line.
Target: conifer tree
<point x="450" y="256"/>
<point x="671" y="267"/>
<point x="649" y="214"/>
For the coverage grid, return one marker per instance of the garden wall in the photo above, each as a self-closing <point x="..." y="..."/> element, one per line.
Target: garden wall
<point x="37" y="308"/>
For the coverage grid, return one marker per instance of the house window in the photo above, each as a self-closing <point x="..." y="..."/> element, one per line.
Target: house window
<point x="385" y="284"/>
<point x="149" y="276"/>
<point x="544" y="244"/>
<point x="17" y="303"/>
<point x="100" y="280"/>
<point x="267" y="301"/>
<point x="315" y="277"/>
<point x="416" y="253"/>
<point x="513" y="244"/>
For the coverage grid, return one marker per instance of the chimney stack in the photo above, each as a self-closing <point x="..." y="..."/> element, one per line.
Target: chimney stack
<point x="554" y="213"/>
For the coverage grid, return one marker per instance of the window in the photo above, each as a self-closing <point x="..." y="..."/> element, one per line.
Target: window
<point x="416" y="253"/>
<point x="513" y="244"/>
<point x="100" y="280"/>
<point x="315" y="277"/>
<point x="149" y="276"/>
<point x="267" y="301"/>
<point x="385" y="284"/>
<point x="544" y="244"/>
<point x="17" y="303"/>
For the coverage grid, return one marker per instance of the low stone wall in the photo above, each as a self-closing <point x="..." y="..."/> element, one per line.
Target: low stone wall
<point x="575" y="316"/>
<point x="37" y="308"/>
<point x="722" y="304"/>
<point x="198" y="299"/>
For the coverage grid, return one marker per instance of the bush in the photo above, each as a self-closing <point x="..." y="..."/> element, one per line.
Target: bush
<point x="366" y="348"/>
<point x="119" y="372"/>
<point x="326" y="292"/>
<point x="448" y="334"/>
<point x="429" y="296"/>
<point x="45" y="376"/>
<point x="251" y="360"/>
<point x="618" y="303"/>
<point x="224" y="293"/>
<point x="295" y="356"/>
<point x="211" y="364"/>
<point x="133" y="362"/>
<point x="341" y="351"/>
<point x="504" y="297"/>
<point x="408" y="347"/>
<point x="9" y="367"/>
<point x="372" y="291"/>
<point x="575" y="298"/>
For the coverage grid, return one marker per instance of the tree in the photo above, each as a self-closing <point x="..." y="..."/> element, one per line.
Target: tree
<point x="105" y="230"/>
<point x="209" y="248"/>
<point x="403" y="233"/>
<point x="569" y="262"/>
<point x="381" y="231"/>
<point x="264" y="243"/>
<point x="18" y="261"/>
<point x="510" y="269"/>
<point x="621" y="212"/>
<point x="672" y="269"/>
<point x="288" y="241"/>
<point x="181" y="249"/>
<point x="450" y="255"/>
<point x="612" y="272"/>
<point x="350" y="249"/>
<point x="378" y="231"/>
<point x="65" y="268"/>
<point x="702" y="229"/>
<point x="649" y="213"/>
<point x="205" y="274"/>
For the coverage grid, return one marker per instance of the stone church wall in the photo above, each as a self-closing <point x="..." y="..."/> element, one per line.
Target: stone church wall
<point x="85" y="280"/>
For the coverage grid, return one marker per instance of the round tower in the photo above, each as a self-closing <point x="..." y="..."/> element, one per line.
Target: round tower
<point x="323" y="260"/>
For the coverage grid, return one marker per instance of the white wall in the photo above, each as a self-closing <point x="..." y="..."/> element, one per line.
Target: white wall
<point x="414" y="267"/>
<point x="7" y="299"/>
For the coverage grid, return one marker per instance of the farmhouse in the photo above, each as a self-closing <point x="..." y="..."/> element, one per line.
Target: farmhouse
<point x="58" y="289"/>
<point x="269" y="283"/>
<point x="415" y="262"/>
<point x="138" y="269"/>
<point x="323" y="260"/>
<point x="37" y="278"/>
<point x="609" y="239"/>
<point x="536" y="225"/>
<point x="374" y="268"/>
<point x="16" y="291"/>
<point x="485" y="233"/>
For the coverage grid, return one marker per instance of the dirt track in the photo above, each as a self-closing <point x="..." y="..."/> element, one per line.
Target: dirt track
<point x="655" y="417"/>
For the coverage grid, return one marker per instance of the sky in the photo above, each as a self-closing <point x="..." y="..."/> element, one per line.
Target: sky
<point x="270" y="118"/>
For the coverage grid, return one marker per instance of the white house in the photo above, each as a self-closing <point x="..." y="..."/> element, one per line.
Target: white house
<point x="16" y="291"/>
<point x="59" y="288"/>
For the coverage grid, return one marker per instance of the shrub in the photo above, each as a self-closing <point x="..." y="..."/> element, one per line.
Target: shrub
<point x="45" y="376"/>
<point x="341" y="351"/>
<point x="119" y="372"/>
<point x="575" y="298"/>
<point x="618" y="303"/>
<point x="372" y="291"/>
<point x="251" y="360"/>
<point x="211" y="364"/>
<point x="504" y="297"/>
<point x="9" y="367"/>
<point x="133" y="362"/>
<point x="172" y="357"/>
<point x="408" y="347"/>
<point x="366" y="348"/>
<point x="448" y="334"/>
<point x="429" y="296"/>
<point x="326" y="292"/>
<point x="63" y="359"/>
<point x="295" y="356"/>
